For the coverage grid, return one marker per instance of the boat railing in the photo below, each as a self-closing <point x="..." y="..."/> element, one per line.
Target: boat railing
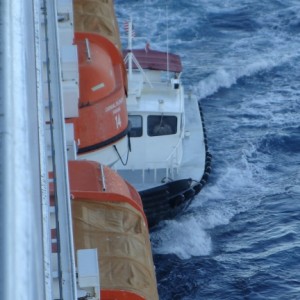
<point x="174" y="157"/>
<point x="131" y="58"/>
<point x="157" y="83"/>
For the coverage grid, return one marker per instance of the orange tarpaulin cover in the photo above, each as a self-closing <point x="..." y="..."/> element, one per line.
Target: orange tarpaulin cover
<point x="97" y="16"/>
<point x="121" y="236"/>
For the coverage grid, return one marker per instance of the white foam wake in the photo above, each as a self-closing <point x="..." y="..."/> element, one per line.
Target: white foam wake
<point x="231" y="70"/>
<point x="223" y="78"/>
<point x="183" y="237"/>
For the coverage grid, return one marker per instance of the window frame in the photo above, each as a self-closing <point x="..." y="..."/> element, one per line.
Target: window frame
<point x="164" y="125"/>
<point x="134" y="130"/>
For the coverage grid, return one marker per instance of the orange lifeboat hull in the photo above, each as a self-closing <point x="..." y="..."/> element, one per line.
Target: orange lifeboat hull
<point x="120" y="295"/>
<point x="108" y="215"/>
<point x="102" y="102"/>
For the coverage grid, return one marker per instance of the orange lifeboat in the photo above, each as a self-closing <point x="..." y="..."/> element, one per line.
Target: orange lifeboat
<point x="102" y="120"/>
<point x="108" y="215"/>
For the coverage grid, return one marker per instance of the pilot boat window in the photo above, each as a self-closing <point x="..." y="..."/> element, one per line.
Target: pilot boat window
<point x="161" y="125"/>
<point x="136" y="122"/>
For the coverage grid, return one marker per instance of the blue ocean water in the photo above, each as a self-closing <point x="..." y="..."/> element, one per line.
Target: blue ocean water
<point x="240" y="238"/>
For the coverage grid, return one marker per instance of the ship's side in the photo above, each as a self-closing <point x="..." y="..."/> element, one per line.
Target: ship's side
<point x="63" y="223"/>
<point x="21" y="243"/>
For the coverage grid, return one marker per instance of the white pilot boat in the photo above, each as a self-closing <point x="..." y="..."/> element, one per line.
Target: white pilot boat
<point x="169" y="160"/>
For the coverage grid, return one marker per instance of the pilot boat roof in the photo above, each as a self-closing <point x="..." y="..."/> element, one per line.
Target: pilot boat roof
<point x="156" y="60"/>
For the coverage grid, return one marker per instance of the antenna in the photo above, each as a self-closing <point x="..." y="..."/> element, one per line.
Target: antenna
<point x="129" y="47"/>
<point x="167" y="14"/>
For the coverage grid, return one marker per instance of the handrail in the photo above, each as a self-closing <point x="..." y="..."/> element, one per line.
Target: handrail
<point x="103" y="178"/>
<point x="66" y="257"/>
<point x="130" y="57"/>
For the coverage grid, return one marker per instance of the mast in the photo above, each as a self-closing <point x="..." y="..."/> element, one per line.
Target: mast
<point x="130" y="58"/>
<point x="168" y="64"/>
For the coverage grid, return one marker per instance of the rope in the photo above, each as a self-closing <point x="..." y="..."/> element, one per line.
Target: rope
<point x="129" y="150"/>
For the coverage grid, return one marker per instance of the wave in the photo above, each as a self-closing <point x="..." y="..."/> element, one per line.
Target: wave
<point x="224" y="77"/>
<point x="279" y="143"/>
<point x="286" y="19"/>
<point x="239" y="19"/>
<point x="189" y="235"/>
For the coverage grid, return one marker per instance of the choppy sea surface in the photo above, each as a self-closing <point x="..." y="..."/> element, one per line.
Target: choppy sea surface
<point x="240" y="239"/>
